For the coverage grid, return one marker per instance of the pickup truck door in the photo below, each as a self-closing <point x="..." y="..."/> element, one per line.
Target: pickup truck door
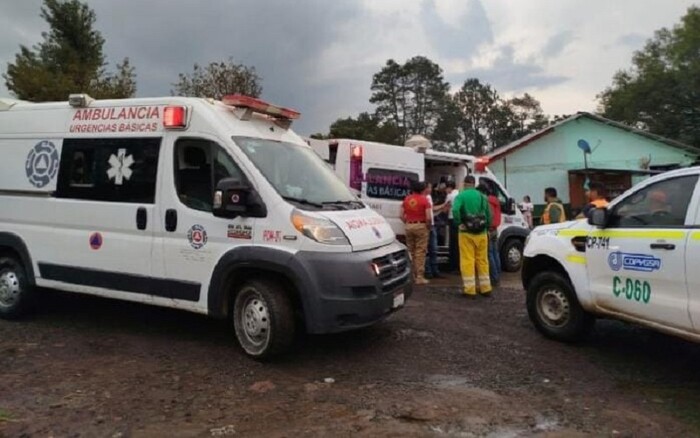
<point x="637" y="264"/>
<point x="692" y="256"/>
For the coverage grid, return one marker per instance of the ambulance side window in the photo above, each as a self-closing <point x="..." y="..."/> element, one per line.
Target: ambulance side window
<point x="199" y="165"/>
<point x="660" y="205"/>
<point x="495" y="188"/>
<point x="111" y="170"/>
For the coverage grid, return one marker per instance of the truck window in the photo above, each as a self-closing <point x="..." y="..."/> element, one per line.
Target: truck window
<point x="662" y="204"/>
<point x="113" y="170"/>
<point x="199" y="165"/>
<point x="389" y="183"/>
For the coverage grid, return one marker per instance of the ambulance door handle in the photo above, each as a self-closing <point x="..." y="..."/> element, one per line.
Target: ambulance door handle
<point x="141" y="218"/>
<point x="666" y="246"/>
<point x="170" y="220"/>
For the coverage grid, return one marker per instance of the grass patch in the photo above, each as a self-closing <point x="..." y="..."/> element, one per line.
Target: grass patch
<point x="4" y="416"/>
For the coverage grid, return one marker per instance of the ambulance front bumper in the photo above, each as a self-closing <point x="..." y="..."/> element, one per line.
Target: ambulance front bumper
<point x="346" y="291"/>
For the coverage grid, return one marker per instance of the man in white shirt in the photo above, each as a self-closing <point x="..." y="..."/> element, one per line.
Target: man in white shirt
<point x="431" y="262"/>
<point x="452" y="193"/>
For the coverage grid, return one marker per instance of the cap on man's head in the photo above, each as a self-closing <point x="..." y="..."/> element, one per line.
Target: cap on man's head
<point x="469" y="179"/>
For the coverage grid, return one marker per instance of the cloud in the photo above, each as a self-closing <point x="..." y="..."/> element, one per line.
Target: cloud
<point x="633" y="40"/>
<point x="557" y="43"/>
<point x="507" y="73"/>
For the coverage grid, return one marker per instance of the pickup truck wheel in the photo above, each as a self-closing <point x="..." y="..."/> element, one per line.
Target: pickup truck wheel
<point x="554" y="309"/>
<point x="263" y="318"/>
<point x="16" y="294"/>
<point x="512" y="255"/>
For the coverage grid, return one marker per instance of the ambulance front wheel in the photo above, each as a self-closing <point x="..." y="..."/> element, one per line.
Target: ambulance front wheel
<point x="512" y="255"/>
<point x="263" y="318"/>
<point x="554" y="309"/>
<point x="16" y="294"/>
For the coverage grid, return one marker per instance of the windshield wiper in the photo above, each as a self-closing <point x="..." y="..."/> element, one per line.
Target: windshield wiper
<point x="303" y="201"/>
<point x="357" y="204"/>
<point x="353" y="205"/>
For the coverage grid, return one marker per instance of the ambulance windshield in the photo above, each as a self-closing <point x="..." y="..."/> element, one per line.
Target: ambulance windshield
<point x="298" y="174"/>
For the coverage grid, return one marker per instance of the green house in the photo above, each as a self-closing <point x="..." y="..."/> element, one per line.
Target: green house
<point x="580" y="149"/>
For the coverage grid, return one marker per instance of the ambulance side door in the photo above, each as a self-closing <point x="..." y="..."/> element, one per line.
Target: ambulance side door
<point x="190" y="240"/>
<point x="104" y="212"/>
<point x="637" y="264"/>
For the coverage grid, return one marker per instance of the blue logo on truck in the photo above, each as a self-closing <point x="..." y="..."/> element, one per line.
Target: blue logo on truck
<point x="42" y="164"/>
<point x="633" y="262"/>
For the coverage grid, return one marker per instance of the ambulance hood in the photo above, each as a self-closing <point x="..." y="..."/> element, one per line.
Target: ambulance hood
<point x="365" y="229"/>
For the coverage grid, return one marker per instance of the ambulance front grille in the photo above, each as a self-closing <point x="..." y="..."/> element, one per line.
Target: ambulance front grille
<point x="394" y="269"/>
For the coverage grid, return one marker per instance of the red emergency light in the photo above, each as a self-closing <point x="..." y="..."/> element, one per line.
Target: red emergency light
<point x="175" y="117"/>
<point x="481" y="163"/>
<point x="260" y="106"/>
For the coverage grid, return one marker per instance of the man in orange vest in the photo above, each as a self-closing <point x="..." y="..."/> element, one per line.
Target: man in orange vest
<point x="596" y="198"/>
<point x="554" y="212"/>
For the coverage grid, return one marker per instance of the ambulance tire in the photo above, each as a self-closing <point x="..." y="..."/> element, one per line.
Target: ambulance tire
<point x="554" y="309"/>
<point x="512" y="255"/>
<point x="263" y="318"/>
<point x="16" y="293"/>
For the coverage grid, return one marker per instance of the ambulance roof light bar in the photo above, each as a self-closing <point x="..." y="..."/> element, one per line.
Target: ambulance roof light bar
<point x="481" y="163"/>
<point x="81" y="100"/>
<point x="284" y="116"/>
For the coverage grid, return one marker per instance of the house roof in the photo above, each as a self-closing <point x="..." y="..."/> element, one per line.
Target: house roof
<point x="524" y="141"/>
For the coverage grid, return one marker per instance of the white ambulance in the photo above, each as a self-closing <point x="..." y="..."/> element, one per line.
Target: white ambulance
<point x="214" y="207"/>
<point x="381" y="174"/>
<point x="635" y="261"/>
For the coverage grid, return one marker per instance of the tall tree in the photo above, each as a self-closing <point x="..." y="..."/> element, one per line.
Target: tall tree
<point x="477" y="104"/>
<point x="661" y="91"/>
<point x="411" y="96"/>
<point x="366" y="127"/>
<point x="527" y="115"/>
<point x="69" y="60"/>
<point x="219" y="79"/>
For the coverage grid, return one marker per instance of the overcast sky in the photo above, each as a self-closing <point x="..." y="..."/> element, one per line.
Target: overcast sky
<point x="318" y="56"/>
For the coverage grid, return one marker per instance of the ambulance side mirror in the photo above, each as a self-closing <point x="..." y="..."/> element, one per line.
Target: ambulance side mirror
<point x="510" y="206"/>
<point x="599" y="217"/>
<point x="234" y="198"/>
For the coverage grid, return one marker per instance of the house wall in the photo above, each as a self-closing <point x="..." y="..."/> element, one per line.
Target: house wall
<point x="546" y="161"/>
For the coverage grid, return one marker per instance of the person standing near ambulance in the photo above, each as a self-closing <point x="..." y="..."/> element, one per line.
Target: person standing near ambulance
<point x="496" y="217"/>
<point x="554" y="211"/>
<point x="596" y="199"/>
<point x="417" y="215"/>
<point x="452" y="193"/>
<point x="472" y="212"/>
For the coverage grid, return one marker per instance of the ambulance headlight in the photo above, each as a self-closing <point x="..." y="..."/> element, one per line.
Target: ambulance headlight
<point x="318" y="229"/>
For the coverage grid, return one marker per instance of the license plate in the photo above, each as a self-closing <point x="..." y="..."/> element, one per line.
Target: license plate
<point x="398" y="300"/>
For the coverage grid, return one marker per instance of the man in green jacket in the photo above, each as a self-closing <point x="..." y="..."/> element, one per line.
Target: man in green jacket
<point x="472" y="212"/>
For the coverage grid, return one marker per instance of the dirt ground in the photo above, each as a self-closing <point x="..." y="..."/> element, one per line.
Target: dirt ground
<point x="443" y="366"/>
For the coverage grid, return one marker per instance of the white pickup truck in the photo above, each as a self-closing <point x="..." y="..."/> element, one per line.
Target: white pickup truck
<point x="634" y="261"/>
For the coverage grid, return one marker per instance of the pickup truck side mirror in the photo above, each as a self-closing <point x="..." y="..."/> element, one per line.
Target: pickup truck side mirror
<point x="234" y="198"/>
<point x="599" y="217"/>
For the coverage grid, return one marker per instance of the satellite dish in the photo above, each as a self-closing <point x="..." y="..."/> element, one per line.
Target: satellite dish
<point x="584" y="146"/>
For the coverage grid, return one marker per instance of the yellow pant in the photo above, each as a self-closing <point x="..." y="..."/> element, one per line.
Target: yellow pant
<point x="417" y="242"/>
<point x="474" y="262"/>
